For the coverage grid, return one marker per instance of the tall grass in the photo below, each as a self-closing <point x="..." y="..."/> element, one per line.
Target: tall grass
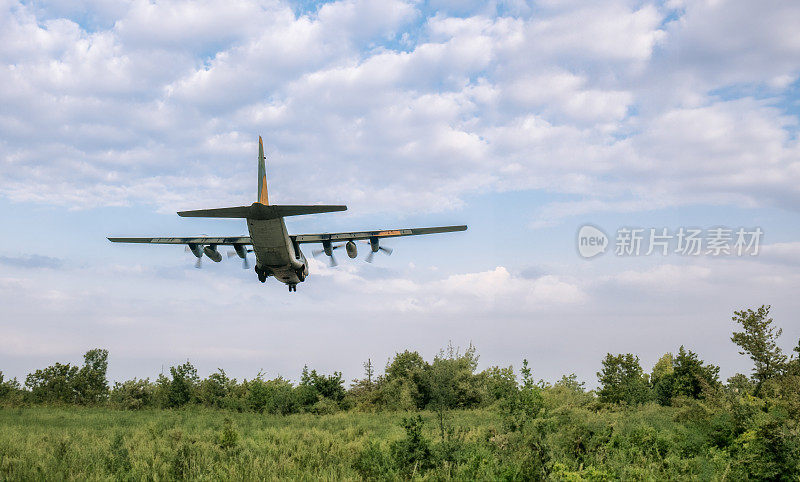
<point x="75" y="443"/>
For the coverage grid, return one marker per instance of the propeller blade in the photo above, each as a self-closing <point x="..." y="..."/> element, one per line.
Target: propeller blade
<point x="199" y="263"/>
<point x="370" y="256"/>
<point x="332" y="260"/>
<point x="245" y="263"/>
<point x="231" y="254"/>
<point x="386" y="250"/>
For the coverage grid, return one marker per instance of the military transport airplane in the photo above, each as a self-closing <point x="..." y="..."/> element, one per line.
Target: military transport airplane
<point x="277" y="252"/>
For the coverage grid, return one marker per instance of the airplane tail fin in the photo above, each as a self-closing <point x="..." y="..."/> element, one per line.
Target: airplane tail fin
<point x="261" y="209"/>
<point x="263" y="198"/>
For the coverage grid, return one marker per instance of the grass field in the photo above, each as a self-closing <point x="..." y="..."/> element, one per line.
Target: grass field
<point x="646" y="443"/>
<point x="97" y="443"/>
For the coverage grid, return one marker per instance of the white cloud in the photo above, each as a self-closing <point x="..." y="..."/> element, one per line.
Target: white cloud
<point x="623" y="111"/>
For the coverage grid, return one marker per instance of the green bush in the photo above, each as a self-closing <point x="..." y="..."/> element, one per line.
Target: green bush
<point x="272" y="396"/>
<point x="412" y="454"/>
<point x="132" y="394"/>
<point x="373" y="463"/>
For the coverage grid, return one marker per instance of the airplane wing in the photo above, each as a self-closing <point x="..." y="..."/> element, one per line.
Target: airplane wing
<point x="231" y="240"/>
<point x="386" y="233"/>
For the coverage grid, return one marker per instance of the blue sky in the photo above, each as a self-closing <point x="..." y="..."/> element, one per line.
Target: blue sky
<point x="524" y="120"/>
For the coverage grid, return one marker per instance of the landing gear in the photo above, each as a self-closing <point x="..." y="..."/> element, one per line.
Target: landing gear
<point x="262" y="275"/>
<point x="292" y="288"/>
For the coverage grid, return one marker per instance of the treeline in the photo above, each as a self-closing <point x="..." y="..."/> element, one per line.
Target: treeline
<point x="450" y="381"/>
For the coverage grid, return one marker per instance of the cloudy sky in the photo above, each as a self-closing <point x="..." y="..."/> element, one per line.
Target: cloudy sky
<point x="524" y="120"/>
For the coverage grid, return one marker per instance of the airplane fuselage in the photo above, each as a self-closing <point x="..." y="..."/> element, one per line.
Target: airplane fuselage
<point x="276" y="254"/>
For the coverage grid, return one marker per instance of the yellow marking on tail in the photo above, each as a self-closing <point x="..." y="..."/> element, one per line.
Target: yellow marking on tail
<point x="263" y="198"/>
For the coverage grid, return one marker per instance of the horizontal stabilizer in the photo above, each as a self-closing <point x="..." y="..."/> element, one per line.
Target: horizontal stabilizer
<point x="236" y="212"/>
<point x="290" y="210"/>
<point x="261" y="211"/>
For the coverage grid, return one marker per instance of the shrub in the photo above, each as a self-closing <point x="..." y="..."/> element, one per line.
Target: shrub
<point x="412" y="454"/>
<point x="182" y="386"/>
<point x="373" y="463"/>
<point x="9" y="389"/>
<point x="214" y="390"/>
<point x="132" y="394"/>
<point x="271" y="396"/>
<point x="228" y="437"/>
<point x="331" y="386"/>
<point x="622" y="380"/>
<point x="52" y="384"/>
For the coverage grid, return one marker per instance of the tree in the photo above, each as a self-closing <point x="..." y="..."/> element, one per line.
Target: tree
<point x="362" y="391"/>
<point x="53" y="384"/>
<point x="132" y="394"/>
<point x="406" y="381"/>
<point x="405" y="365"/>
<point x="692" y="376"/>
<point x="662" y="368"/>
<point x="215" y="389"/>
<point x="794" y="363"/>
<point x="571" y="383"/>
<point x="272" y="396"/>
<point x="452" y="379"/>
<point x="622" y="380"/>
<point x="330" y="386"/>
<point x="182" y="386"/>
<point x="91" y="385"/>
<point x="500" y="382"/>
<point x="739" y="385"/>
<point x="453" y="383"/>
<point x="662" y="379"/>
<point x="759" y="341"/>
<point x="8" y="388"/>
<point x="525" y="404"/>
<point x="369" y="371"/>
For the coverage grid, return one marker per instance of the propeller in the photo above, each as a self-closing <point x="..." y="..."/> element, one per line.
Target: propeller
<point x="375" y="247"/>
<point x="199" y="263"/>
<point x="371" y="254"/>
<point x="245" y="261"/>
<point x="332" y="260"/>
<point x="197" y="251"/>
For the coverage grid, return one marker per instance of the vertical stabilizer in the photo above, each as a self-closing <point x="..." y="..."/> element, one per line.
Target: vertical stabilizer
<point x="262" y="175"/>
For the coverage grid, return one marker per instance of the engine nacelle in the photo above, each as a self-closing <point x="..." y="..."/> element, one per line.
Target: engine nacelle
<point x="196" y="250"/>
<point x="211" y="252"/>
<point x="352" y="251"/>
<point x="241" y="250"/>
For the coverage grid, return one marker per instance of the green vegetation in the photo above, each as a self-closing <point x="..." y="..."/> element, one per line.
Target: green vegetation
<point x="435" y="420"/>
